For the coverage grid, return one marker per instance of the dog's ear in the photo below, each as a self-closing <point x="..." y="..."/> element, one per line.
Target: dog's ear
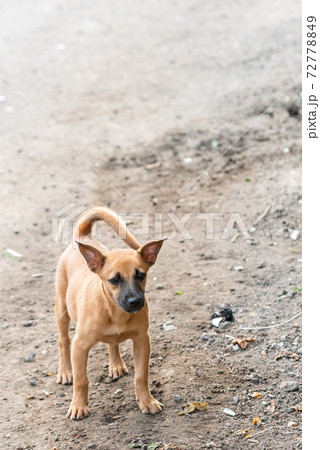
<point x="149" y="251"/>
<point x="94" y="258"/>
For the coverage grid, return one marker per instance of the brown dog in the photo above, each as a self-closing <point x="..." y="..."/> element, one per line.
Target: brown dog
<point x="104" y="293"/>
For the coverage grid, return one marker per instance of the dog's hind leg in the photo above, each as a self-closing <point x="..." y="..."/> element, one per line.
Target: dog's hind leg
<point x="117" y="367"/>
<point x="63" y="321"/>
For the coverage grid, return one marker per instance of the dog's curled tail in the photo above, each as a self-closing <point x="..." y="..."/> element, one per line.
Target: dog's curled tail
<point x="85" y="223"/>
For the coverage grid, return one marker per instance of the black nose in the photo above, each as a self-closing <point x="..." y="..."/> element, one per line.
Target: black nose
<point x="135" y="302"/>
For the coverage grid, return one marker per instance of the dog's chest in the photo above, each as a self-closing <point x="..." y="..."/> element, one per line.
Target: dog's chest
<point x="114" y="334"/>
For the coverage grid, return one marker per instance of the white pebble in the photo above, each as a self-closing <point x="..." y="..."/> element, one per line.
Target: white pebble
<point x="229" y="412"/>
<point x="295" y="234"/>
<point x="215" y="322"/>
<point x="61" y="47"/>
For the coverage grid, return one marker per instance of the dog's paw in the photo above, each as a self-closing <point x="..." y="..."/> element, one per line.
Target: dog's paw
<point x="78" y="412"/>
<point x="117" y="370"/>
<point x="150" y="406"/>
<point x="64" y="377"/>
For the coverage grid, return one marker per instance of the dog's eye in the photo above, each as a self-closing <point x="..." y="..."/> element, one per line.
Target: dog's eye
<point x="140" y="275"/>
<point x="115" y="280"/>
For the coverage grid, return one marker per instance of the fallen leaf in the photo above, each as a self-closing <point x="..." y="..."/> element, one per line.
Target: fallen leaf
<point x="256" y="420"/>
<point x="153" y="446"/>
<point x="179" y="293"/>
<point x="287" y="354"/>
<point x="30" y="397"/>
<point x="256" y="395"/>
<point x="243" y="343"/>
<point x="194" y="406"/>
<point x="243" y="432"/>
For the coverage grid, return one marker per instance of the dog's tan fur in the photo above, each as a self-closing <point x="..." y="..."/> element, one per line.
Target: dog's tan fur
<point x="84" y="295"/>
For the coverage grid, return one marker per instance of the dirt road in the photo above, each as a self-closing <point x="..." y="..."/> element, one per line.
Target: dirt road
<point x="92" y="94"/>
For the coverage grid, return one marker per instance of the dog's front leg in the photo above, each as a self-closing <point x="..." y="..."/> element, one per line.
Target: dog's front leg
<point x="117" y="367"/>
<point x="141" y="356"/>
<point x="79" y="405"/>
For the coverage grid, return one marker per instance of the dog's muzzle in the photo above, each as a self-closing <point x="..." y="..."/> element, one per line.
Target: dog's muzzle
<point x="132" y="304"/>
<point x="135" y="303"/>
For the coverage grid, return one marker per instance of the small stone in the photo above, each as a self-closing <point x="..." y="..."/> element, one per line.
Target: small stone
<point x="216" y="321"/>
<point x="223" y="325"/>
<point x="159" y="286"/>
<point x="289" y="410"/>
<point x="206" y="337"/>
<point x="5" y="325"/>
<point x="29" y="357"/>
<point x="286" y="150"/>
<point x="37" y="275"/>
<point x="229" y="412"/>
<point x="177" y="398"/>
<point x="117" y="393"/>
<point x="238" y="268"/>
<point x="289" y="386"/>
<point x="62" y="394"/>
<point x="33" y="382"/>
<point x="294" y="235"/>
<point x="236" y="399"/>
<point x="27" y="323"/>
<point x="292" y="424"/>
<point x="167" y="326"/>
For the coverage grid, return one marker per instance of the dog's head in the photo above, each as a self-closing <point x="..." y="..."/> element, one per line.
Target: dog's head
<point x="123" y="272"/>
